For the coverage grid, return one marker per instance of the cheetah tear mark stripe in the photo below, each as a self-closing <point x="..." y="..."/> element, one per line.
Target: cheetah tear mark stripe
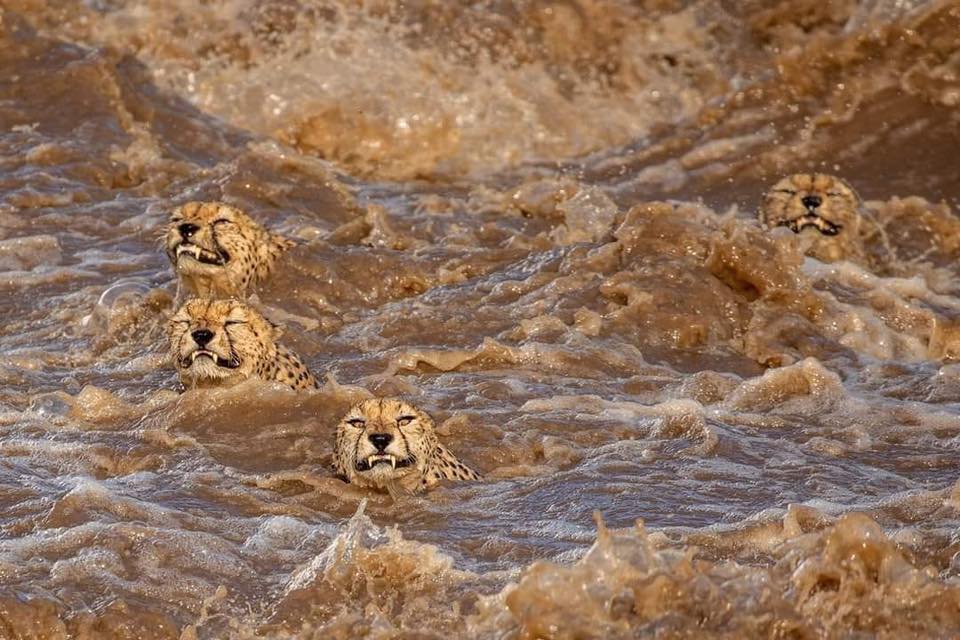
<point x="233" y="353"/>
<point x="406" y="443"/>
<point x="356" y="445"/>
<point x="223" y="253"/>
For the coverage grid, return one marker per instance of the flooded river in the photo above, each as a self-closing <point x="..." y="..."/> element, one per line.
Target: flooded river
<point x="535" y="219"/>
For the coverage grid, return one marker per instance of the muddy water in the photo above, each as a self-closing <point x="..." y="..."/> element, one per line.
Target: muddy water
<point x="536" y="220"/>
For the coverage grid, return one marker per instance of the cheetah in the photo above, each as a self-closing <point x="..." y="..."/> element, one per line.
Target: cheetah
<point x="824" y="204"/>
<point x="218" y="343"/>
<point x="218" y="251"/>
<point x="387" y="443"/>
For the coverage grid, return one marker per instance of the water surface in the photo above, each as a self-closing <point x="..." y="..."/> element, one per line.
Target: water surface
<point x="537" y="221"/>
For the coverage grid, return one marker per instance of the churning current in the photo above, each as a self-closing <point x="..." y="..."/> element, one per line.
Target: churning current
<point x="538" y="221"/>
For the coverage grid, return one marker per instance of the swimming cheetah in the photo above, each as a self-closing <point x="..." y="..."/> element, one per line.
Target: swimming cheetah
<point x="386" y="443"/>
<point x="218" y="343"/>
<point x="218" y="251"/>
<point x="822" y="207"/>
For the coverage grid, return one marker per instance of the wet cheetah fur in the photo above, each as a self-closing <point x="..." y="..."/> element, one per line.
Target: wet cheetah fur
<point x="821" y="207"/>
<point x="218" y="251"/>
<point x="219" y="343"/>
<point x="389" y="444"/>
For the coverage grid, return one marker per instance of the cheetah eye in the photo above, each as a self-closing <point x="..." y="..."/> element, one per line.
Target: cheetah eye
<point x="176" y="220"/>
<point x="230" y="322"/>
<point x="222" y="221"/>
<point x="403" y="421"/>
<point x="834" y="194"/>
<point x="356" y="422"/>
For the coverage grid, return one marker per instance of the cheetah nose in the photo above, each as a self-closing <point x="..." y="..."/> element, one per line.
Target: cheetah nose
<point x="380" y="440"/>
<point x="811" y="202"/>
<point x="202" y="336"/>
<point x="187" y="229"/>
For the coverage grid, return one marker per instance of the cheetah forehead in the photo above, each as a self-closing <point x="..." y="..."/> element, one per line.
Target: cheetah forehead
<point x="209" y="211"/>
<point x="218" y="312"/>
<point x="388" y="410"/>
<point x="823" y="182"/>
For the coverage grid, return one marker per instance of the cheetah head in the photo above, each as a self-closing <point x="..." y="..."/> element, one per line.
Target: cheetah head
<point x="816" y="201"/>
<point x="219" y="342"/>
<point x="383" y="442"/>
<point x="218" y="250"/>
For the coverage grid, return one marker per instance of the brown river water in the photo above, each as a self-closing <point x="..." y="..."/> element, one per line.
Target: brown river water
<point x="536" y="220"/>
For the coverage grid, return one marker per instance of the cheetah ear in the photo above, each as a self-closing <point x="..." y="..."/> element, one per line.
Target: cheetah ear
<point x="856" y="195"/>
<point x="275" y="329"/>
<point x="281" y="242"/>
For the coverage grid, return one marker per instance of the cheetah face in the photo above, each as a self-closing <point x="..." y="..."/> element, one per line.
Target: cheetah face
<point x="219" y="342"/>
<point x="817" y="201"/>
<point x="384" y="440"/>
<point x="214" y="241"/>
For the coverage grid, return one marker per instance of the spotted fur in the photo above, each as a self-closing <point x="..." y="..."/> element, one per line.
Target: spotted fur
<point x="218" y="343"/>
<point x="822" y="207"/>
<point x="407" y="435"/>
<point x="218" y="251"/>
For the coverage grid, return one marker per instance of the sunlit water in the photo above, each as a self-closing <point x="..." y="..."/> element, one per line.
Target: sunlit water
<point x="536" y="220"/>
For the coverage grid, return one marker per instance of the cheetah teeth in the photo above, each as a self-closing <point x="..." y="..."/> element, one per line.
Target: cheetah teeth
<point x="377" y="458"/>
<point x="220" y="361"/>
<point x="368" y="463"/>
<point x="824" y="226"/>
<point x="199" y="254"/>
<point x="190" y="249"/>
